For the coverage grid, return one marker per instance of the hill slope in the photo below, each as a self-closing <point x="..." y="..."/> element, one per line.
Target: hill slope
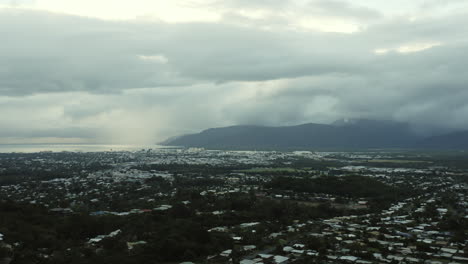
<point x="356" y="134"/>
<point x="456" y="140"/>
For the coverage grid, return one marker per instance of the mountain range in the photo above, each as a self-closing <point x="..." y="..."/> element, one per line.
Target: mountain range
<point x="342" y="134"/>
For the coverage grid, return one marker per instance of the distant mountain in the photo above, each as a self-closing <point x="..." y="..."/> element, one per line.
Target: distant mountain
<point x="343" y="134"/>
<point x="455" y="140"/>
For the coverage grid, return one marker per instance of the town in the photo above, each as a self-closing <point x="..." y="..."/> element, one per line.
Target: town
<point x="174" y="205"/>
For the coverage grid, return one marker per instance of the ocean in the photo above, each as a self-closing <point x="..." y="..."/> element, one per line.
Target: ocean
<point x="32" y="148"/>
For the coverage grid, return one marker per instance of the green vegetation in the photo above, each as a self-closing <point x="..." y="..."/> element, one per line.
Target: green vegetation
<point x="353" y="186"/>
<point x="52" y="205"/>
<point x="398" y="161"/>
<point x="272" y="170"/>
<point x="174" y="236"/>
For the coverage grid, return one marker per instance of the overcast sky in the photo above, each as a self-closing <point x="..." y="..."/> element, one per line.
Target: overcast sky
<point x="138" y="71"/>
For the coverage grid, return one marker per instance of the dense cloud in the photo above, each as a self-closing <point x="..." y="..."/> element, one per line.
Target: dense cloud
<point x="15" y="3"/>
<point x="139" y="81"/>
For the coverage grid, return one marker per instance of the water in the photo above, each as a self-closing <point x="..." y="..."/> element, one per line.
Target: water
<point x="26" y="148"/>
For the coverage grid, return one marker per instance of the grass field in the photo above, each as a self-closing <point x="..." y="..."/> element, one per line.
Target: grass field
<point x="266" y="170"/>
<point x="397" y="161"/>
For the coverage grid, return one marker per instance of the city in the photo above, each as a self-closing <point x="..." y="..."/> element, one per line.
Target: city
<point x="233" y="132"/>
<point x="193" y="205"/>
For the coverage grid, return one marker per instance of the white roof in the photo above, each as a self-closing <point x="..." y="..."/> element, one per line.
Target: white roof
<point x="288" y="249"/>
<point x="265" y="255"/>
<point x="280" y="259"/>
<point x="449" y="250"/>
<point x="226" y="253"/>
<point x="350" y="258"/>
<point x="250" y="247"/>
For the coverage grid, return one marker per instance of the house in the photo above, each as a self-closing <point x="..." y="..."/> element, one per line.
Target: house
<point x="226" y="253"/>
<point x="247" y="261"/>
<point x="280" y="259"/>
<point x="348" y="258"/>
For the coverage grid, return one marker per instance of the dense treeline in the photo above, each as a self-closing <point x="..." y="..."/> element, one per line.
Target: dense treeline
<point x="20" y="175"/>
<point x="353" y="186"/>
<point x="19" y="168"/>
<point x="202" y="169"/>
<point x="312" y="163"/>
<point x="174" y="236"/>
<point x="178" y="234"/>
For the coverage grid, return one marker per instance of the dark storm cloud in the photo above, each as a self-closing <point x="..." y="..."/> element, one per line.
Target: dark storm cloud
<point x="176" y="78"/>
<point x="15" y="3"/>
<point x="431" y="4"/>
<point x="69" y="132"/>
<point x="251" y="4"/>
<point x="45" y="52"/>
<point x="344" y="9"/>
<point x="426" y="87"/>
<point x="334" y="8"/>
<point x="63" y="53"/>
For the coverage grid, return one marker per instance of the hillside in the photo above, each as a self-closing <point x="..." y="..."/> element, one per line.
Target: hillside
<point x="350" y="135"/>
<point x="455" y="140"/>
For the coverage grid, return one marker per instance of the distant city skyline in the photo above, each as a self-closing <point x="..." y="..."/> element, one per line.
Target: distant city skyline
<point x="138" y="72"/>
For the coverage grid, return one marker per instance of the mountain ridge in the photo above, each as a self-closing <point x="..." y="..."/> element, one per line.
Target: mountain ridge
<point x="354" y="134"/>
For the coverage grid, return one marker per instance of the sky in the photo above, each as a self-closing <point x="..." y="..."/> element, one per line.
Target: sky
<point x="140" y="71"/>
